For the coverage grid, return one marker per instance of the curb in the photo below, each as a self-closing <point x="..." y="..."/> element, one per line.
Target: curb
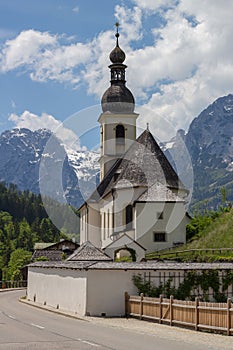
<point x="53" y="310"/>
<point x="12" y="289"/>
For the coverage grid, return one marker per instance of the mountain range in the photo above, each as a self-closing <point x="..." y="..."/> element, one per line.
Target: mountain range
<point x="209" y="144"/>
<point x="38" y="161"/>
<point x="204" y="155"/>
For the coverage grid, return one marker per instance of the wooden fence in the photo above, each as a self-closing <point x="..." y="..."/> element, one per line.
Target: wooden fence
<point x="164" y="252"/>
<point x="214" y="317"/>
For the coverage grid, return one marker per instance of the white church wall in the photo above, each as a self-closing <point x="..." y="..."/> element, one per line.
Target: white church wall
<point x="59" y="288"/>
<point x="107" y="220"/>
<point x="94" y="232"/>
<point x="124" y="197"/>
<point x="83" y="225"/>
<point x="149" y="222"/>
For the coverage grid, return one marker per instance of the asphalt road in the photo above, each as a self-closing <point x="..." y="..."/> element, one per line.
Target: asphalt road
<point x="26" y="327"/>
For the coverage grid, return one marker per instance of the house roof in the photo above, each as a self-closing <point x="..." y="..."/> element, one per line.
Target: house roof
<point x="62" y="244"/>
<point x="52" y="255"/>
<point x="143" y="164"/>
<point x="88" y="252"/>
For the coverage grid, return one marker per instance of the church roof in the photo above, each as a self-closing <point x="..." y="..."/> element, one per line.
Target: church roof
<point x="144" y="164"/>
<point x="88" y="252"/>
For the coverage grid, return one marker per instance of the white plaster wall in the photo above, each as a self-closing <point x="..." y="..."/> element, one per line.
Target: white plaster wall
<point x="173" y="223"/>
<point x="109" y="122"/>
<point x="63" y="287"/>
<point x="93" y="230"/>
<point x="124" y="197"/>
<point x="105" y="291"/>
<point x="109" y="150"/>
<point x="82" y="224"/>
<point x="106" y="212"/>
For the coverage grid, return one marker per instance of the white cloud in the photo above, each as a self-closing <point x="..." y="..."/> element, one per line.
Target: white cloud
<point x="25" y="49"/>
<point x="75" y="9"/>
<point x="34" y="122"/>
<point x="186" y="64"/>
<point x="154" y="5"/>
<point x="44" y="57"/>
<point x="190" y="63"/>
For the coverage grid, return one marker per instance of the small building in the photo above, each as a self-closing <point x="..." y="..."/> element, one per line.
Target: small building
<point x="54" y="251"/>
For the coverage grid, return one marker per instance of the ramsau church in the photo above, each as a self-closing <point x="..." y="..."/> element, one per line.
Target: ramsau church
<point x="139" y="204"/>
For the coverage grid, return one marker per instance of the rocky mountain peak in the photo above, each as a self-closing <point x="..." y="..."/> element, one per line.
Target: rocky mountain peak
<point x="21" y="151"/>
<point x="210" y="144"/>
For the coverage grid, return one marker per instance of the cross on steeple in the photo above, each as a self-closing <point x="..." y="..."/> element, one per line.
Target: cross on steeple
<point x="117" y="24"/>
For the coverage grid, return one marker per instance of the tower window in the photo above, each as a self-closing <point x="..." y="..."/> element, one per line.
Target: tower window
<point x="120" y="134"/>
<point x="129" y="217"/>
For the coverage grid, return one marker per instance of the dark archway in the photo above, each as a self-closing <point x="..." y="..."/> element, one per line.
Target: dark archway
<point x="130" y="250"/>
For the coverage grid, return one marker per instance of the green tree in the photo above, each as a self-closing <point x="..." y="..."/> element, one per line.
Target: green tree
<point x="18" y="259"/>
<point x="26" y="237"/>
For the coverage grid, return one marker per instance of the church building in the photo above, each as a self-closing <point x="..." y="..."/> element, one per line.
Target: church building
<point x="139" y="204"/>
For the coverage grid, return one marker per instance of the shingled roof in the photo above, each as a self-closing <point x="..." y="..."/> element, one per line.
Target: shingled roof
<point x="88" y="252"/>
<point x="143" y="164"/>
<point x="149" y="265"/>
<point x="51" y="255"/>
<point x="160" y="193"/>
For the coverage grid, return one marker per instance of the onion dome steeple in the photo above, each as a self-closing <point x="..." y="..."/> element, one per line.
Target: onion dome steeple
<point x="117" y="55"/>
<point x="117" y="98"/>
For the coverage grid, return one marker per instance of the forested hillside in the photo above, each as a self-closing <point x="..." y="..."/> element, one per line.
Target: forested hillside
<point x="23" y="221"/>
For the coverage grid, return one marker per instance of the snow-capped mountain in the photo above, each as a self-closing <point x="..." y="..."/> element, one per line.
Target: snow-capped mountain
<point x="86" y="167"/>
<point x="37" y="161"/>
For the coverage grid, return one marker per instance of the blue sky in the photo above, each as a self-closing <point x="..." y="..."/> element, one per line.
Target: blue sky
<point x="54" y="58"/>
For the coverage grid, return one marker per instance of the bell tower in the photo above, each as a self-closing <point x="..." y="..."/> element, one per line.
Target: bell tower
<point x="118" y="120"/>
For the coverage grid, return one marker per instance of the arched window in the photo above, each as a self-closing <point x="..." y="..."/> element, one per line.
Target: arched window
<point x="129" y="217"/>
<point x="120" y="134"/>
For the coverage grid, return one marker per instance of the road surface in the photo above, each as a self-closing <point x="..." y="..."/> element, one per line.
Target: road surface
<point x="29" y="328"/>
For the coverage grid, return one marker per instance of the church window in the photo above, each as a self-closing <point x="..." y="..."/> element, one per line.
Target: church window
<point x="160" y="216"/>
<point x="159" y="237"/>
<point x="113" y="220"/>
<point x="116" y="175"/>
<point x="120" y="134"/>
<point x="129" y="217"/>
